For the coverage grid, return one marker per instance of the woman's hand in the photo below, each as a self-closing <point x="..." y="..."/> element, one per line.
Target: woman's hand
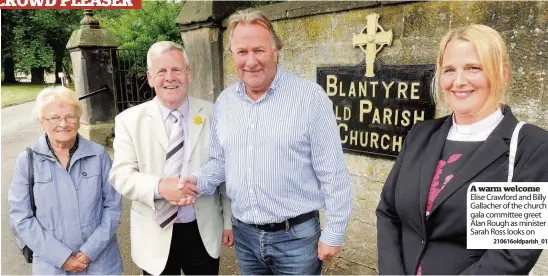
<point x="72" y="264"/>
<point x="81" y="257"/>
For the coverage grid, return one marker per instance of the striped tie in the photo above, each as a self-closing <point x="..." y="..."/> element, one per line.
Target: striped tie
<point x="165" y="212"/>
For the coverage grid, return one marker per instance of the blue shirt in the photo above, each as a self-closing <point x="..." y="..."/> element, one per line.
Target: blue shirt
<point x="281" y="155"/>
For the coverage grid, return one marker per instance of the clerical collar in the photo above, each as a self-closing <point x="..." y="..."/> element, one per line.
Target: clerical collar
<point x="478" y="131"/>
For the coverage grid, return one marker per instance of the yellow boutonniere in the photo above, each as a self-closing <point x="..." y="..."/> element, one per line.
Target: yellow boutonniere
<point x="198" y="120"/>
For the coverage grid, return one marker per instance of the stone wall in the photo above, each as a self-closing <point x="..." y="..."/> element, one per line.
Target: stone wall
<point x="320" y="34"/>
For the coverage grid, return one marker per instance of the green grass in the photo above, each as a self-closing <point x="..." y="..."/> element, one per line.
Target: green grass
<point x="21" y="92"/>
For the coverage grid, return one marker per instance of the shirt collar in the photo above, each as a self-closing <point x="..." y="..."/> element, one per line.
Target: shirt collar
<point x="486" y="124"/>
<point x="184" y="109"/>
<point x="273" y="86"/>
<point x="84" y="148"/>
<point x="72" y="150"/>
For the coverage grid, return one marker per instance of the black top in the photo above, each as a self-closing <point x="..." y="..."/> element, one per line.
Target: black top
<point x="455" y="154"/>
<point x="406" y="237"/>
<point x="71" y="151"/>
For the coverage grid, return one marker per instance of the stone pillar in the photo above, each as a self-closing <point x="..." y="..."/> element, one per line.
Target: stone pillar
<point x="90" y="48"/>
<point x="201" y="31"/>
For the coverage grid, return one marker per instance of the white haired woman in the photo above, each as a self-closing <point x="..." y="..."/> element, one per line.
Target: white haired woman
<point x="77" y="210"/>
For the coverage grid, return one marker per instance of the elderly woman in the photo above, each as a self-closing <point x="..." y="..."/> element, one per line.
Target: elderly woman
<point x="421" y="217"/>
<point x="77" y="210"/>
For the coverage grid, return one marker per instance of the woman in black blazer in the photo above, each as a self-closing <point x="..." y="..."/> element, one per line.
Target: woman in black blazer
<point x="421" y="217"/>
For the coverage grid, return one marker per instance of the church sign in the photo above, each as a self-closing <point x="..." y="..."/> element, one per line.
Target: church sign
<point x="375" y="104"/>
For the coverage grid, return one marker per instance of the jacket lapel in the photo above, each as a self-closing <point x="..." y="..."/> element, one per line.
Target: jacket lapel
<point x="196" y="123"/>
<point x="430" y="162"/>
<point x="496" y="145"/>
<point x="156" y="124"/>
<point x="41" y="149"/>
<point x="84" y="150"/>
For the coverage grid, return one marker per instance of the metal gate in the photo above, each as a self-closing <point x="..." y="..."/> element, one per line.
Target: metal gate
<point x="129" y="74"/>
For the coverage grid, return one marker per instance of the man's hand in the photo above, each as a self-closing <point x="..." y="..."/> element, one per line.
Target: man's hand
<point x="326" y="252"/>
<point x="188" y="185"/>
<point x="73" y="265"/>
<point x="188" y="188"/>
<point x="168" y="188"/>
<point x="228" y="238"/>
<point x="81" y="257"/>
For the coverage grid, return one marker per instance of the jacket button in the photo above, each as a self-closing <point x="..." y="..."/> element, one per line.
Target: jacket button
<point x="84" y="173"/>
<point x="422" y="241"/>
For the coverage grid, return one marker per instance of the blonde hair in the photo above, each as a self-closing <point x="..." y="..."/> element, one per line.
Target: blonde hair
<point x="56" y="95"/>
<point x="492" y="53"/>
<point x="253" y="16"/>
<point x="164" y="46"/>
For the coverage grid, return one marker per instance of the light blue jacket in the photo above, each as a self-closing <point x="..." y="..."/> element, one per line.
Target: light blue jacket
<point x="76" y="210"/>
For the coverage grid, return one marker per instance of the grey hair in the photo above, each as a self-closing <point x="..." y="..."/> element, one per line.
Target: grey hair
<point x="56" y="95"/>
<point x="252" y="16"/>
<point x="164" y="46"/>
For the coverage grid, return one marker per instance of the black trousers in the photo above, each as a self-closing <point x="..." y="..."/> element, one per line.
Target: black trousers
<point x="187" y="252"/>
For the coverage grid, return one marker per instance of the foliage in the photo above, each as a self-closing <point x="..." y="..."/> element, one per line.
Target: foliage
<point x="33" y="53"/>
<point x="8" y="17"/>
<point x="8" y="66"/>
<point x="136" y="30"/>
<point x="139" y="29"/>
<point x="21" y="43"/>
<point x="37" y="37"/>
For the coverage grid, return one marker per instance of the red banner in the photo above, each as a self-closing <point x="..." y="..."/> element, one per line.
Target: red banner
<point x="70" y="4"/>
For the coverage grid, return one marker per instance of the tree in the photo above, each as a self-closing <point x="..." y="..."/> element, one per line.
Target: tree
<point x="8" y="65"/>
<point x="31" y="52"/>
<point x="139" y="29"/>
<point x="59" y="25"/>
<point x="136" y="30"/>
<point x="35" y="40"/>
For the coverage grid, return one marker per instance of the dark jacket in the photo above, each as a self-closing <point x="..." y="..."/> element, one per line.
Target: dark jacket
<point x="405" y="237"/>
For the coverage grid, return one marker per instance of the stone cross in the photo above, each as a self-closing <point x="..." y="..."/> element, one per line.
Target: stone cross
<point x="371" y="39"/>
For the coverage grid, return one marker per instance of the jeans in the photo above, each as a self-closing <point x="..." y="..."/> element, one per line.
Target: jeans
<point x="294" y="251"/>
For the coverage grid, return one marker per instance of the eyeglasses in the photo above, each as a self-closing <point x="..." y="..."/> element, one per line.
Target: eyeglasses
<point x="55" y="120"/>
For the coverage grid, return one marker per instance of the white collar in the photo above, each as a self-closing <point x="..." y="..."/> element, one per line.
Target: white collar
<point x="184" y="109"/>
<point x="478" y="131"/>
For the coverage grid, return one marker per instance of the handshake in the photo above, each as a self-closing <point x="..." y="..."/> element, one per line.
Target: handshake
<point x="178" y="191"/>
